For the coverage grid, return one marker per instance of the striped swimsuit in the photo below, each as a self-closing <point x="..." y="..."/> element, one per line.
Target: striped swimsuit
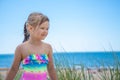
<point x="35" y="67"/>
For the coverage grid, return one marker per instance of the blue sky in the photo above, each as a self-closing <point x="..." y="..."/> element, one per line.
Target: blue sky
<point x="75" y="25"/>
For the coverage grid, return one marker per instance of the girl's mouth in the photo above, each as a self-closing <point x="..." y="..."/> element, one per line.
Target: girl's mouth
<point x="43" y="35"/>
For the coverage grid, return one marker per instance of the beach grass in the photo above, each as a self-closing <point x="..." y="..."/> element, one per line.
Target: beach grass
<point x="19" y="73"/>
<point x="65" y="70"/>
<point x="1" y="78"/>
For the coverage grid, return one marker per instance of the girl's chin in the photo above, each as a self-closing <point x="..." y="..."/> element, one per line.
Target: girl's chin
<point x="43" y="38"/>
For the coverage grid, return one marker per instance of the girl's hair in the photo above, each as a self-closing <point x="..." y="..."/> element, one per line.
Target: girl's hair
<point x="34" y="19"/>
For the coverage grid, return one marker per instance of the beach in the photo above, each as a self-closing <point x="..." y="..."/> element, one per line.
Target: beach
<point x="3" y="72"/>
<point x="83" y="74"/>
<point x="78" y="65"/>
<point x="89" y="74"/>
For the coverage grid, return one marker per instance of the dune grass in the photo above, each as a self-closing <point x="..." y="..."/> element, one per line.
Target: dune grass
<point x="65" y="71"/>
<point x="1" y="78"/>
<point x="17" y="77"/>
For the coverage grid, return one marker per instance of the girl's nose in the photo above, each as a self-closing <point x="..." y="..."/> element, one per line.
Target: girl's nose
<point x="45" y="31"/>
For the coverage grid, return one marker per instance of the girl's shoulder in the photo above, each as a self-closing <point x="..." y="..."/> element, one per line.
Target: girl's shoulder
<point x="47" y="45"/>
<point x="18" y="50"/>
<point x="20" y="47"/>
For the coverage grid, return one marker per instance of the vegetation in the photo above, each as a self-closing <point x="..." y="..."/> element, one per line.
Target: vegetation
<point x="66" y="71"/>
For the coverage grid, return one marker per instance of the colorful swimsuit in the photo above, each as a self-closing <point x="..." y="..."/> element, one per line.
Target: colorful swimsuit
<point x="35" y="67"/>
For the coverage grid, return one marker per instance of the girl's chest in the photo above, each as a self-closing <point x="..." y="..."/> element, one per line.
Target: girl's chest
<point x="33" y="50"/>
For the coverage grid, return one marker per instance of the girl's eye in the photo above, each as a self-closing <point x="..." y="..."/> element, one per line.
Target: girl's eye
<point x="44" y="28"/>
<point x="41" y="28"/>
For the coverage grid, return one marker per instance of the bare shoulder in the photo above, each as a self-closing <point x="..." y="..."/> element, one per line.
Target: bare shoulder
<point x="48" y="47"/>
<point x="19" y="48"/>
<point x="18" y="54"/>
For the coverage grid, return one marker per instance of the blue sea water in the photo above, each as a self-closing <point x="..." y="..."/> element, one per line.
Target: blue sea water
<point x="87" y="59"/>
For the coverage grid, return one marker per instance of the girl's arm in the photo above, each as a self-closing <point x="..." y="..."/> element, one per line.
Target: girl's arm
<point x="15" y="66"/>
<point x="51" y="69"/>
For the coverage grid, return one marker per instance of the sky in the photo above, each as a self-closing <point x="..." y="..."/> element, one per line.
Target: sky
<point x="75" y="25"/>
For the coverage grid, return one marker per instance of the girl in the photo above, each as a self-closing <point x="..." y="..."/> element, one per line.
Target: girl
<point x="35" y="55"/>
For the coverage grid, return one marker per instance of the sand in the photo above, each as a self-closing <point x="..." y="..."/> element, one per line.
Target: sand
<point x="96" y="73"/>
<point x="3" y="73"/>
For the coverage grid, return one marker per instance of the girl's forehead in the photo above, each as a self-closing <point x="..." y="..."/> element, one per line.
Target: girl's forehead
<point x="46" y="23"/>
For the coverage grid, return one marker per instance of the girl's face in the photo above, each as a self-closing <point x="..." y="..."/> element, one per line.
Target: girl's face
<point x="41" y="31"/>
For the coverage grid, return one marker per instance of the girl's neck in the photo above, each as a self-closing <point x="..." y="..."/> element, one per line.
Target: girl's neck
<point x="34" y="42"/>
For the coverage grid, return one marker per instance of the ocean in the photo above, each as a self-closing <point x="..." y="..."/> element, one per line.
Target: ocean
<point x="73" y="59"/>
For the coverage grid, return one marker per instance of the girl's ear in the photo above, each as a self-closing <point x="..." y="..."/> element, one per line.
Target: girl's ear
<point x="29" y="28"/>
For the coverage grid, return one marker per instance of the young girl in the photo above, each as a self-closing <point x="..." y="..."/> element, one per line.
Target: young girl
<point x="35" y="55"/>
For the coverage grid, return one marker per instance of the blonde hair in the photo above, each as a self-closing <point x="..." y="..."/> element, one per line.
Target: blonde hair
<point x="34" y="19"/>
